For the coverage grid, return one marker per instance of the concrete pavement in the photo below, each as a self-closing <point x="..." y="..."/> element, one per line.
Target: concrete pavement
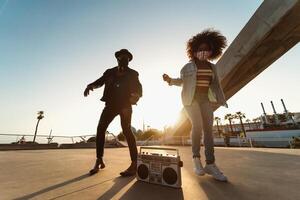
<point x="62" y="174"/>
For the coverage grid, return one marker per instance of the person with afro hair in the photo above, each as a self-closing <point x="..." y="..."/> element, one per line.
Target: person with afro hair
<point x="201" y="89"/>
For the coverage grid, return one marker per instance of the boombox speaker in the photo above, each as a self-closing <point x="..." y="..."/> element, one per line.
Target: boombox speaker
<point x="159" y="166"/>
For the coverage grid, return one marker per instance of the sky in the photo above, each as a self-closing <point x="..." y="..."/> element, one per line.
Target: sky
<point x="50" y="51"/>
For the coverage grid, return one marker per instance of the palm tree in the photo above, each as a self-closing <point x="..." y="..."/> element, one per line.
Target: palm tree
<point x="39" y="117"/>
<point x="248" y="121"/>
<point x="239" y="115"/>
<point x="256" y="120"/>
<point x="218" y="119"/>
<point x="229" y="117"/>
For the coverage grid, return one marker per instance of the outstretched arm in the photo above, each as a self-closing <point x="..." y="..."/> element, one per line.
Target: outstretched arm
<point x="172" y="81"/>
<point x="176" y="81"/>
<point x="96" y="84"/>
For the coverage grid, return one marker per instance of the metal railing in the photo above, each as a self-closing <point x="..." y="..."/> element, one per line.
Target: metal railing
<point x="286" y="142"/>
<point x="47" y="139"/>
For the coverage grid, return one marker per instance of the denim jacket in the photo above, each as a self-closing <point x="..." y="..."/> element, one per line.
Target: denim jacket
<point x="188" y="79"/>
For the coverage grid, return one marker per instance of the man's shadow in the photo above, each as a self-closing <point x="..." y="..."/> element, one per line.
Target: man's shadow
<point x="119" y="183"/>
<point x="53" y="187"/>
<point x="149" y="191"/>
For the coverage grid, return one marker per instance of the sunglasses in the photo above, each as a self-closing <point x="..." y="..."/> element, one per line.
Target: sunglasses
<point x="122" y="56"/>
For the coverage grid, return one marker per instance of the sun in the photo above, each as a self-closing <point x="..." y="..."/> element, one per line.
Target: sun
<point x="159" y="109"/>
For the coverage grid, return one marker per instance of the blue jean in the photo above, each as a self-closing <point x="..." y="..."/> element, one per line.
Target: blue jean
<point x="200" y="113"/>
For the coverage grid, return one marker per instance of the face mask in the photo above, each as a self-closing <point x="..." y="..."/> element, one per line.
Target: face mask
<point x="203" y="55"/>
<point x="123" y="62"/>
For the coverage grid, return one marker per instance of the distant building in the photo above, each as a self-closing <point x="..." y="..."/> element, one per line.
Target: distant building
<point x="236" y="128"/>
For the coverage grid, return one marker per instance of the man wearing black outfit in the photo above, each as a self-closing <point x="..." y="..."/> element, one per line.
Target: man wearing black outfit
<point x="122" y="89"/>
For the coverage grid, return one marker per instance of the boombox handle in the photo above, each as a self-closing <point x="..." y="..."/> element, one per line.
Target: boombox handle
<point x="160" y="148"/>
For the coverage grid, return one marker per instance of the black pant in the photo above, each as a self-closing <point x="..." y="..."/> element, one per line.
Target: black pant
<point x="108" y="114"/>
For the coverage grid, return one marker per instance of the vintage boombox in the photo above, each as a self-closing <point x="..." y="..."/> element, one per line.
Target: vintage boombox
<point x="159" y="166"/>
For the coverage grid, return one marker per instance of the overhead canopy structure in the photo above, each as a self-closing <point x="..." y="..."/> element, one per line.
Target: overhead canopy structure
<point x="272" y="30"/>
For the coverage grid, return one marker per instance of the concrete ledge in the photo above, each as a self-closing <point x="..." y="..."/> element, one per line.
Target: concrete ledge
<point x="90" y="145"/>
<point x="78" y="145"/>
<point x="4" y="147"/>
<point x="272" y="31"/>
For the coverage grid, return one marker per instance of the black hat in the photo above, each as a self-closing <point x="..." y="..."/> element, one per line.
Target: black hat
<point x="124" y="51"/>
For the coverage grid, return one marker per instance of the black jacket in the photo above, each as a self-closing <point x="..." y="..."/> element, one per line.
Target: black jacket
<point x="131" y="84"/>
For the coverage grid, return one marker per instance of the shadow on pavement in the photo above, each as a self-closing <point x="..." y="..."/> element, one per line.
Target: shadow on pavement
<point x="141" y="190"/>
<point x="220" y="190"/>
<point x="119" y="183"/>
<point x="53" y="187"/>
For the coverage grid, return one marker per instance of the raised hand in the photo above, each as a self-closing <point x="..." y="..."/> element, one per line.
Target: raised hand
<point x="166" y="78"/>
<point x="87" y="90"/>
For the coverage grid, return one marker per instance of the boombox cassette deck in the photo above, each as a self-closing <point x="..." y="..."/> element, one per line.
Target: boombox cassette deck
<point x="159" y="166"/>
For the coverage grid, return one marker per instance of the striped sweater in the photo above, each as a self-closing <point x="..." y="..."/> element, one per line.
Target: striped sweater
<point x="204" y="78"/>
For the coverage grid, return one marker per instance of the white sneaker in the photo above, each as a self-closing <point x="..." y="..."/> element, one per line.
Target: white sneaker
<point x="198" y="168"/>
<point x="213" y="170"/>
